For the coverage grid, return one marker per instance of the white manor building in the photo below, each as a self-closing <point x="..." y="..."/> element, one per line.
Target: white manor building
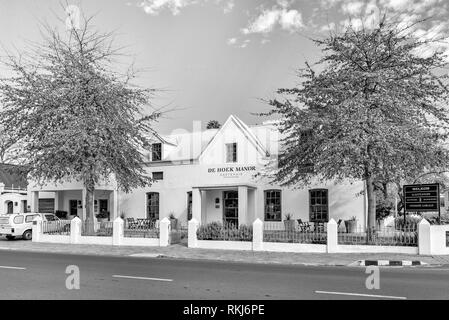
<point x="211" y="175"/>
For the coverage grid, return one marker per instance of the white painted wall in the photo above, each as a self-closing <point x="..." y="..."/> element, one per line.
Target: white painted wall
<point x="181" y="178"/>
<point x="438" y="239"/>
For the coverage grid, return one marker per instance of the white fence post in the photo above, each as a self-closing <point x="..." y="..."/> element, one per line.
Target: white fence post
<point x="192" y="238"/>
<point x="117" y="231"/>
<point x="37" y="229"/>
<point x="164" y="232"/>
<point x="424" y="243"/>
<point x="257" y="235"/>
<point x="332" y="236"/>
<point x="75" y="230"/>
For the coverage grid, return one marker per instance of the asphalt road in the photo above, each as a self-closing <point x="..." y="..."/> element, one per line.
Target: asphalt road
<point x="26" y="275"/>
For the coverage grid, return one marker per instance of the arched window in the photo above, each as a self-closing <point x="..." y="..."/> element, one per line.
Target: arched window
<point x="319" y="205"/>
<point x="153" y="205"/>
<point x="273" y="208"/>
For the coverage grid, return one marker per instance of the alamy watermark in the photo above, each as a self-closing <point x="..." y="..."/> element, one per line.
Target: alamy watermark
<point x="73" y="279"/>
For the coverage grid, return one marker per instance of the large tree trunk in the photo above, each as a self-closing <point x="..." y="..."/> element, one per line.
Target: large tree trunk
<point x="371" y="203"/>
<point x="89" y="201"/>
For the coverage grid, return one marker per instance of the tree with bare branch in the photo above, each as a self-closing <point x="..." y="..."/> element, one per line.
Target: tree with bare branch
<point x="372" y="108"/>
<point x="73" y="115"/>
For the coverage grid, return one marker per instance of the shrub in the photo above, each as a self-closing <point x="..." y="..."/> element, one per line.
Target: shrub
<point x="61" y="214"/>
<point x="216" y="231"/>
<point x="411" y="222"/>
<point x="102" y="215"/>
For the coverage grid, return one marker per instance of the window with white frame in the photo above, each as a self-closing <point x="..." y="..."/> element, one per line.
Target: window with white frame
<point x="319" y="205"/>
<point x="231" y="152"/>
<point x="273" y="208"/>
<point x="158" y="175"/>
<point x="156" y="152"/>
<point x="153" y="205"/>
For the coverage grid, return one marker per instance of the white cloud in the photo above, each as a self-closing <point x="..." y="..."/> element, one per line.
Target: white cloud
<point x="155" y="7"/>
<point x="367" y="13"/>
<point x="353" y="7"/>
<point x="231" y="41"/>
<point x="290" y="20"/>
<point x="264" y="23"/>
<point x="229" y="6"/>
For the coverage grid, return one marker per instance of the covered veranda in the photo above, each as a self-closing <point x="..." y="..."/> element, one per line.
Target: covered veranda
<point x="230" y="204"/>
<point x="73" y="201"/>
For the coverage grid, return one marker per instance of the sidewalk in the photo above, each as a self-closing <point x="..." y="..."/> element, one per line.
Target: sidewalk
<point x="182" y="252"/>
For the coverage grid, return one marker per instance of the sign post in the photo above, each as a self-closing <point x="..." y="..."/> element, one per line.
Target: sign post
<point x="422" y="197"/>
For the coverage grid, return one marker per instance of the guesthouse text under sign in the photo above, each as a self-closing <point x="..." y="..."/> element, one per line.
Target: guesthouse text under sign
<point x="422" y="197"/>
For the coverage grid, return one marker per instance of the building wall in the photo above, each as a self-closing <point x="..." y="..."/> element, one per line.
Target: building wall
<point x="178" y="180"/>
<point x="210" y="170"/>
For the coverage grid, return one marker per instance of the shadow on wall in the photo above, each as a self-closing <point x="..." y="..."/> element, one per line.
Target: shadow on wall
<point x="340" y="206"/>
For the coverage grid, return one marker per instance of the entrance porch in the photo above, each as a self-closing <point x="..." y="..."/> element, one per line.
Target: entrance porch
<point x="230" y="204"/>
<point x="73" y="202"/>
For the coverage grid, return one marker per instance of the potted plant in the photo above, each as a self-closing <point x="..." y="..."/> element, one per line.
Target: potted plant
<point x="102" y="216"/>
<point x="173" y="222"/>
<point x="351" y="225"/>
<point x="289" y="223"/>
<point x="61" y="214"/>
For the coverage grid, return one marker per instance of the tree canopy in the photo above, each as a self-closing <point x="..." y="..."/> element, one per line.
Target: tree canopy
<point x="73" y="115"/>
<point x="213" y="124"/>
<point x="371" y="108"/>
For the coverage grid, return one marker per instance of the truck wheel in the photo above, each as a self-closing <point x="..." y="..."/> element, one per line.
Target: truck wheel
<point x="10" y="237"/>
<point x="27" y="235"/>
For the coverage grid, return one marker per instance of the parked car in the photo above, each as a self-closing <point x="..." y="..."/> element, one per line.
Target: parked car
<point x="20" y="224"/>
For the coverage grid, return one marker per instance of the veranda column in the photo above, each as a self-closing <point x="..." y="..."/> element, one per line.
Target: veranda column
<point x="196" y="204"/>
<point x="35" y="201"/>
<point x="115" y="213"/>
<point x="243" y="204"/>
<point x="58" y="200"/>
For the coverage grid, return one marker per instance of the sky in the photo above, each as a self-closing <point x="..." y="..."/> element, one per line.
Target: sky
<point x="213" y="58"/>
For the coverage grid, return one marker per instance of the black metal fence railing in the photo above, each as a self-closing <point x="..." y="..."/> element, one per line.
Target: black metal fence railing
<point x="179" y="234"/>
<point x="385" y="236"/>
<point x="141" y="228"/>
<point x="58" y="227"/>
<point x="101" y="229"/>
<point x="227" y="232"/>
<point x="290" y="233"/>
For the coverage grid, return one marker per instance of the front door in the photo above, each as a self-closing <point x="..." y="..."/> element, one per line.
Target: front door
<point x="73" y="207"/>
<point x="231" y="208"/>
<point x="103" y="205"/>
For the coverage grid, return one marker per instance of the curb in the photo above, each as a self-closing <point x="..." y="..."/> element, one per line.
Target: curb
<point x="390" y="263"/>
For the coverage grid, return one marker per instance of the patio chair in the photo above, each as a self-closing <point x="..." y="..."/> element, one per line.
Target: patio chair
<point x="131" y="223"/>
<point x="303" y="226"/>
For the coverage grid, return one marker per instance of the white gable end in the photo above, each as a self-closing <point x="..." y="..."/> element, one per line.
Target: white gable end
<point x="249" y="150"/>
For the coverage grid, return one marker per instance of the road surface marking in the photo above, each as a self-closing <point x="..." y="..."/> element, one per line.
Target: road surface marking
<point x="8" y="267"/>
<point x="361" y="295"/>
<point x="142" y="278"/>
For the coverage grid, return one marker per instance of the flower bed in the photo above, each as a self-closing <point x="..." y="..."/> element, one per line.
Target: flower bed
<point x="218" y="231"/>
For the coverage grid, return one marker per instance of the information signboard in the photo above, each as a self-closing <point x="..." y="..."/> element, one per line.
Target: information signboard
<point x="422" y="197"/>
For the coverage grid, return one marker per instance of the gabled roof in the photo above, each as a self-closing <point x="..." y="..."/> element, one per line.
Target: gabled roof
<point x="188" y="146"/>
<point x="245" y="130"/>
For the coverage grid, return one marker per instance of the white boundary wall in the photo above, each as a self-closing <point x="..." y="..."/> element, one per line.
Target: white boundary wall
<point x="332" y="245"/>
<point x="432" y="240"/>
<point x="117" y="238"/>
